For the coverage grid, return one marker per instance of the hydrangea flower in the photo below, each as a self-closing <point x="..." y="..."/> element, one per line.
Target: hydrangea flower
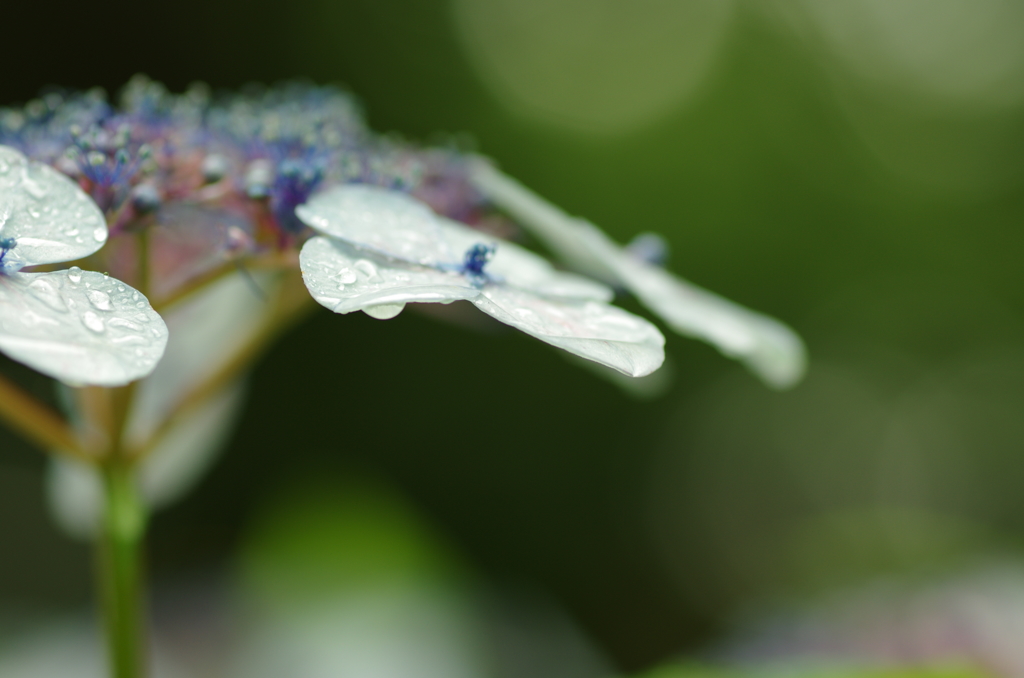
<point x="78" y="326"/>
<point x="768" y="348"/>
<point x="384" y="249"/>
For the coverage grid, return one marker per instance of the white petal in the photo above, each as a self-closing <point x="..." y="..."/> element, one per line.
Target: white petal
<point x="51" y="219"/>
<point x="190" y="447"/>
<point x="400" y="227"/>
<point x="80" y="327"/>
<point x="769" y="348"/>
<point x="345" y="279"/>
<point x="385" y="222"/>
<point x="590" y="329"/>
<point x="75" y="496"/>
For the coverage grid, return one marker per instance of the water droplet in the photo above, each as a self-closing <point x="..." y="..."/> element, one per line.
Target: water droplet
<point x="346" y="276"/>
<point x="100" y="234"/>
<point x="93" y="322"/>
<point x="121" y="322"/>
<point x="71" y="233"/>
<point x="100" y="300"/>
<point x="34" y="213"/>
<point x="383" y="311"/>
<point x="368" y="269"/>
<point x="142" y="318"/>
<point x="135" y="296"/>
<point x="45" y="292"/>
<point x="34" y="189"/>
<point x="120" y="288"/>
<point x="75" y="274"/>
<point x="140" y="304"/>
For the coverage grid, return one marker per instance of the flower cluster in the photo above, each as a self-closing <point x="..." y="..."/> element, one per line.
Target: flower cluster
<point x="191" y="187"/>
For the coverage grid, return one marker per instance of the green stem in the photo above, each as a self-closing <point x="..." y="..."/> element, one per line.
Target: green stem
<point x="120" y="570"/>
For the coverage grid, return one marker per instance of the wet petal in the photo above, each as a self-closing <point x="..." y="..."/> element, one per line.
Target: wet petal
<point x="590" y="329"/>
<point x="385" y="222"/>
<point x="398" y="226"/>
<point x="50" y="218"/>
<point x="769" y="348"/>
<point x="345" y="279"/>
<point x="80" y="327"/>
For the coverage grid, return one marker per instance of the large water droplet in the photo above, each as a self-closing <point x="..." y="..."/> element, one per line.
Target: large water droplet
<point x="93" y="322"/>
<point x="346" y="276"/>
<point x="75" y="274"/>
<point x="100" y="300"/>
<point x="45" y="292"/>
<point x="383" y="311"/>
<point x="368" y="269"/>
<point x="100" y="234"/>
<point x="34" y="189"/>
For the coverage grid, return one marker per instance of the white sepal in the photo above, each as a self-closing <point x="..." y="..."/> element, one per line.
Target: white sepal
<point x="590" y="329"/>
<point x="49" y="217"/>
<point x="769" y="348"/>
<point x="344" y="279"/>
<point x="80" y="327"/>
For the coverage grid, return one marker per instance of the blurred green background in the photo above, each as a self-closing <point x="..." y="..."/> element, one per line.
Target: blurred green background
<point x="854" y="169"/>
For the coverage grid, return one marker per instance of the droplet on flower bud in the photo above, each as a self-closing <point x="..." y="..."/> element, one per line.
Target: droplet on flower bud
<point x="146" y="198"/>
<point x="258" y="178"/>
<point x="215" y="167"/>
<point x="236" y="242"/>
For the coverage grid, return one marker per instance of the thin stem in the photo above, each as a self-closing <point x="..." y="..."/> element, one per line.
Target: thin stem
<point x="120" y="570"/>
<point x="264" y="262"/>
<point x="37" y="422"/>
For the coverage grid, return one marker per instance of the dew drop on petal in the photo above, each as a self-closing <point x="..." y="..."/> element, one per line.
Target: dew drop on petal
<point x="127" y="324"/>
<point x="100" y="234"/>
<point x="75" y="274"/>
<point x="346" y="276"/>
<point x="383" y="311"/>
<point x="33" y="188"/>
<point x="93" y="322"/>
<point x="45" y="292"/>
<point x="101" y="300"/>
<point x="369" y="270"/>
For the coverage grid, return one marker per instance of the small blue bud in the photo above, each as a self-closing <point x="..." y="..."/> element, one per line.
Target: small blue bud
<point x="476" y="258"/>
<point x="146" y="198"/>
